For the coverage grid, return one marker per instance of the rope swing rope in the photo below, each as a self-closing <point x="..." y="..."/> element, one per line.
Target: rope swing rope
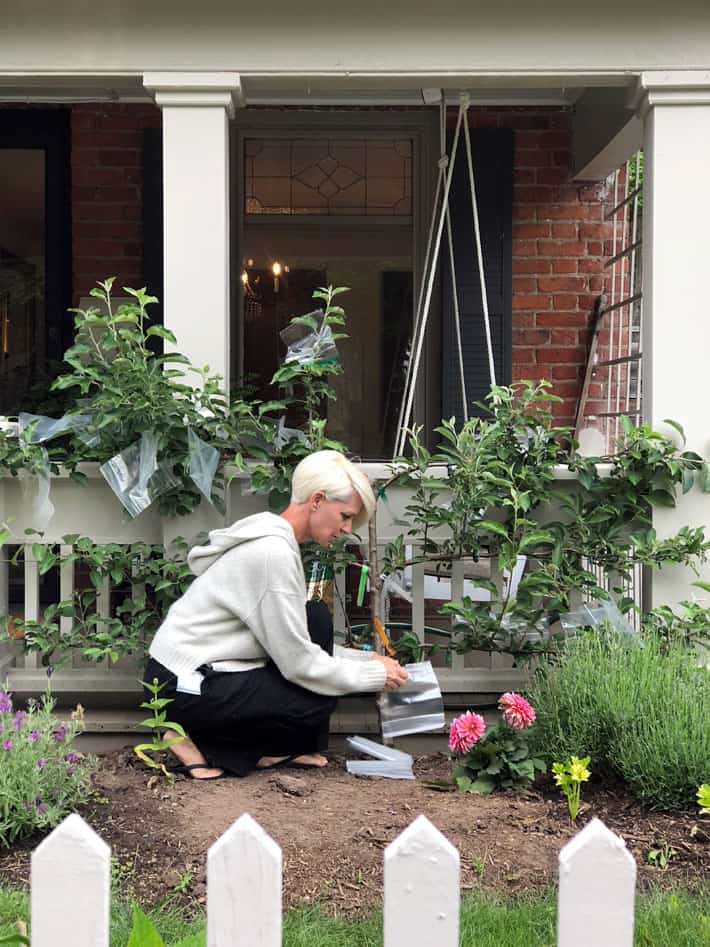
<point x="441" y="215"/>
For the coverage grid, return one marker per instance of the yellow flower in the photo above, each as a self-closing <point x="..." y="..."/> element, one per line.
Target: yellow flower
<point x="578" y="769"/>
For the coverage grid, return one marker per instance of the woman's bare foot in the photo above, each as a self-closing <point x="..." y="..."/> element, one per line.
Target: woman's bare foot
<point x="187" y="753"/>
<point x="311" y="759"/>
<point x="314" y="760"/>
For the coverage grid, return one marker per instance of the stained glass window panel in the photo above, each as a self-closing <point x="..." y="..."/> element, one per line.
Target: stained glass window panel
<point x="336" y="177"/>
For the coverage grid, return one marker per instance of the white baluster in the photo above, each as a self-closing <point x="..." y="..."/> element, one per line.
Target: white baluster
<point x="32" y="659"/>
<point x="458" y="661"/>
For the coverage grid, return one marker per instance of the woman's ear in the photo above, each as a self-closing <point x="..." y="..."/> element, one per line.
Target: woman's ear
<point x="316" y="499"/>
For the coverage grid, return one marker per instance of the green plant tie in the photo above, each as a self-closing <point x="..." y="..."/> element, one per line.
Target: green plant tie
<point x="364" y="569"/>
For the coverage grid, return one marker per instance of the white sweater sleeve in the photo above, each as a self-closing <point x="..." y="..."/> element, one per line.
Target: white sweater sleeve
<point x="351" y="654"/>
<point x="278" y="622"/>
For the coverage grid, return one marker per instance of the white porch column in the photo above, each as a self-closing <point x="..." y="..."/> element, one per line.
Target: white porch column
<point x="675" y="107"/>
<point x="196" y="112"/>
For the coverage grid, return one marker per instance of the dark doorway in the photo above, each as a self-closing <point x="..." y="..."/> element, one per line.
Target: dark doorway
<point x="35" y="251"/>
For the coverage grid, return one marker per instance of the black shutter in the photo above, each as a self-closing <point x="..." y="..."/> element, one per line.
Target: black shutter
<point x="153" y="219"/>
<point x="493" y="169"/>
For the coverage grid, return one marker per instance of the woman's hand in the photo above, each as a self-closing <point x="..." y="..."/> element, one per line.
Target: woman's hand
<point x="396" y="674"/>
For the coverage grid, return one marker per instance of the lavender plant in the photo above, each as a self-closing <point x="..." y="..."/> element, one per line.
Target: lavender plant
<point x="42" y="778"/>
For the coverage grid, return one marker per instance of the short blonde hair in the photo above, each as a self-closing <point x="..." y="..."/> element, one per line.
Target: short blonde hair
<point x="337" y="477"/>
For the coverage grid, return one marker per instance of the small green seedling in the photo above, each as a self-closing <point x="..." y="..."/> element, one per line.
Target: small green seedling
<point x="704" y="798"/>
<point x="661" y="857"/>
<point x="569" y="777"/>
<point x="157" y="723"/>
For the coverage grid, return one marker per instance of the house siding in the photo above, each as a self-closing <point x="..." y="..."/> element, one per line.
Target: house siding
<point x="559" y="248"/>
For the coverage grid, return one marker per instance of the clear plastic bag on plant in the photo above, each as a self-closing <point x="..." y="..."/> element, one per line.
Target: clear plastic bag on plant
<point x="45" y="428"/>
<point x="38" y="482"/>
<point x="593" y="614"/>
<point x="416" y="707"/>
<point x="285" y="434"/>
<point x="204" y="460"/>
<point x="135" y="476"/>
<point x="309" y="341"/>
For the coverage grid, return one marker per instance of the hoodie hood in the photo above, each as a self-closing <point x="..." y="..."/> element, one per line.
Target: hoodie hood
<point x="243" y="531"/>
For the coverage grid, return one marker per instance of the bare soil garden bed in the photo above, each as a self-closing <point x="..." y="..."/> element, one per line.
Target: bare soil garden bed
<point x="333" y="828"/>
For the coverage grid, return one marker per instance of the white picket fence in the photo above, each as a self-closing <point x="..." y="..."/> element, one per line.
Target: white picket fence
<point x="71" y="872"/>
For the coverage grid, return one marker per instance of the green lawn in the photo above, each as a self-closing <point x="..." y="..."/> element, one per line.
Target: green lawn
<point x="662" y="920"/>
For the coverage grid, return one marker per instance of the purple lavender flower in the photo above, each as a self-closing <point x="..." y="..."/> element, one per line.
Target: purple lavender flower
<point x="72" y="757"/>
<point x="55" y="793"/>
<point x="7" y="744"/>
<point x="60" y="733"/>
<point x="41" y="762"/>
<point x="19" y="719"/>
<point x="42" y="808"/>
<point x="34" y="735"/>
<point x="71" y="770"/>
<point x="27" y="805"/>
<point x="5" y="703"/>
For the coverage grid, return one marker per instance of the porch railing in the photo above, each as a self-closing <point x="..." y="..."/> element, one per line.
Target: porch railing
<point x="91" y="510"/>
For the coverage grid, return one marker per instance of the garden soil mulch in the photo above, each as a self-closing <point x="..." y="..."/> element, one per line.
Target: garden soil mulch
<point x="333" y="829"/>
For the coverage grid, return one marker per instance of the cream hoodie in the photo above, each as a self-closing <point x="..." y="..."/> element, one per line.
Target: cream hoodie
<point x="247" y="604"/>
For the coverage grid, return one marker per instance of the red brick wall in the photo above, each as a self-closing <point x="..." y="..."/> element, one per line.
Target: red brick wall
<point x="107" y="193"/>
<point x="560" y="240"/>
<point x="559" y="235"/>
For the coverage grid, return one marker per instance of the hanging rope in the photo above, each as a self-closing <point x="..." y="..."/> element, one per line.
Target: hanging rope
<point x="401" y="425"/>
<point x="440" y="215"/>
<point x="479" y="253"/>
<point x="430" y="277"/>
<point x="452" y="265"/>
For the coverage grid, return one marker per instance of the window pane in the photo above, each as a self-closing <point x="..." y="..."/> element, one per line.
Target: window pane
<point x="328" y="176"/>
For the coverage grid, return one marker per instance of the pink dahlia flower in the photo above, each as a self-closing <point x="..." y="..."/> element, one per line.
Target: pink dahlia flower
<point x="517" y="712"/>
<point x="466" y="731"/>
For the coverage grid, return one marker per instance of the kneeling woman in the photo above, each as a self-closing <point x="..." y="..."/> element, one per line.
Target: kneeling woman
<point x="251" y="670"/>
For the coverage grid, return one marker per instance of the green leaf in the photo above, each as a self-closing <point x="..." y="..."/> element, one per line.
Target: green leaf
<point x="483" y="785"/>
<point x="494" y="527"/>
<point x="675" y="426"/>
<point x="539" y="538"/>
<point x="143" y="933"/>
<point x="162" y="333"/>
<point x="464" y="783"/>
<point x="661" y="498"/>
<point x="704" y="477"/>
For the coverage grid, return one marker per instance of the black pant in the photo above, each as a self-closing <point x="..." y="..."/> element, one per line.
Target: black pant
<point x="241" y="716"/>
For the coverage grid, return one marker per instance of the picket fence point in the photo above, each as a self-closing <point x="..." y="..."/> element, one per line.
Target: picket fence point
<point x="422" y="899"/>
<point x="244" y="888"/>
<point x="596" y="890"/>
<point x="71" y="887"/>
<point x="71" y="869"/>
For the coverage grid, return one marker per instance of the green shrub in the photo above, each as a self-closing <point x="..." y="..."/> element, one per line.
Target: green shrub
<point x="42" y="779"/>
<point x="639" y="708"/>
